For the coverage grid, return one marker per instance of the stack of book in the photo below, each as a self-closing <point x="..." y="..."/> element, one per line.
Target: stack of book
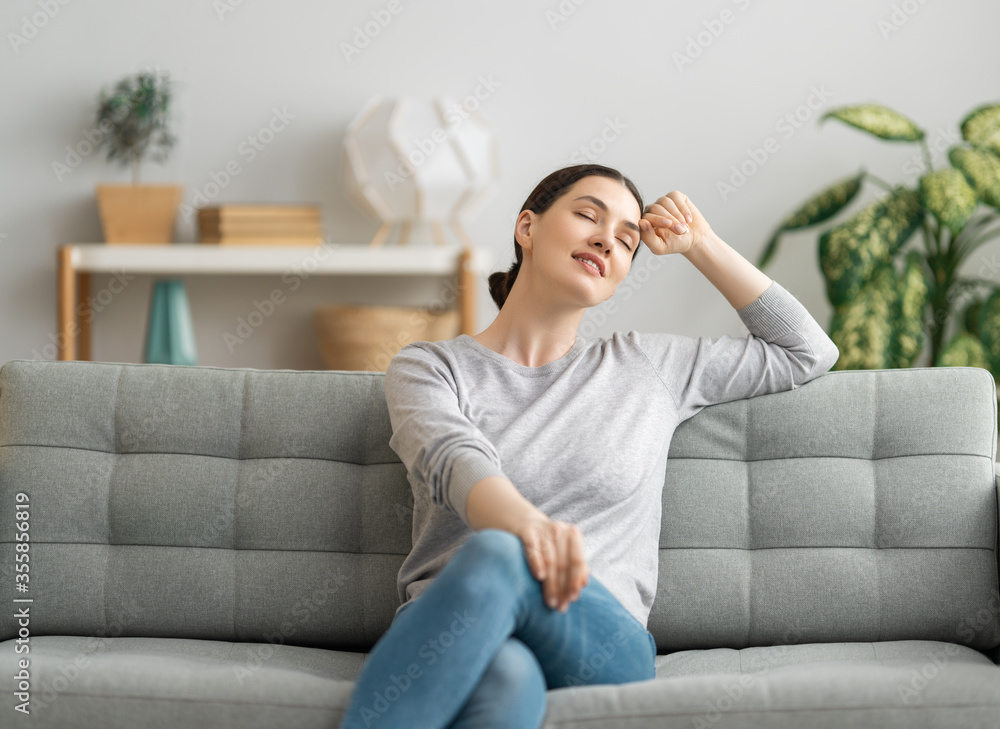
<point x="292" y="225"/>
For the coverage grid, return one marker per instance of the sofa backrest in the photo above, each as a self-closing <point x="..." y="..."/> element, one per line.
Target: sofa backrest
<point x="861" y="506"/>
<point x="202" y="502"/>
<point x="266" y="505"/>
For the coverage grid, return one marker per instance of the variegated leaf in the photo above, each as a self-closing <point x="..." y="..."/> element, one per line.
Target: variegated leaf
<point x="826" y="204"/>
<point x="821" y="207"/>
<point x="970" y="317"/>
<point x="981" y="169"/>
<point x="878" y="120"/>
<point x="850" y="252"/>
<point x="962" y="350"/>
<point x="862" y="328"/>
<point x="981" y="128"/>
<point x="908" y="332"/>
<point x="948" y="195"/>
<point x="989" y="330"/>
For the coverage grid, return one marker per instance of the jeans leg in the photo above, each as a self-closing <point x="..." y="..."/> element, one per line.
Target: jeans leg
<point x="425" y="668"/>
<point x="510" y="695"/>
<point x="596" y="641"/>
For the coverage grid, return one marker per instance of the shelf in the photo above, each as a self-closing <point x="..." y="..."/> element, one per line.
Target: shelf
<point x="334" y="259"/>
<point x="77" y="261"/>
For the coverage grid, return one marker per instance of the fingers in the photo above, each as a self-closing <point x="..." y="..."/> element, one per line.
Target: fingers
<point x="671" y="211"/>
<point x="562" y="569"/>
<point x="680" y="203"/>
<point x="556" y="559"/>
<point x="674" y="221"/>
<point x="577" y="572"/>
<point x="572" y="566"/>
<point x="550" y="569"/>
<point x="536" y="552"/>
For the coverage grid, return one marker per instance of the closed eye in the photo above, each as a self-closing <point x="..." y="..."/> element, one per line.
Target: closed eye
<point x="624" y="243"/>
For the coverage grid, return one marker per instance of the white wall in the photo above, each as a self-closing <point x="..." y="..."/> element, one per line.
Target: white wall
<point x="558" y="84"/>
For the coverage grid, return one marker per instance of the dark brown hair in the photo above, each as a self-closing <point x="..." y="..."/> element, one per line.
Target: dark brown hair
<point x="541" y="199"/>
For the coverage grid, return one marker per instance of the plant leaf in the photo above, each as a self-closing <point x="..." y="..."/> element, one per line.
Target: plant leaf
<point x="818" y="208"/>
<point x="131" y="116"/>
<point x="981" y="128"/>
<point x="770" y="249"/>
<point x="862" y="328"/>
<point x="948" y="195"/>
<point x="826" y="204"/>
<point x="851" y="252"/>
<point x="908" y="329"/>
<point x="989" y="330"/>
<point x="878" y="120"/>
<point x="963" y="350"/>
<point x="970" y="317"/>
<point x="981" y="169"/>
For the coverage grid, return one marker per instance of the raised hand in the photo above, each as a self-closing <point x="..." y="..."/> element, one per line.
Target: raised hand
<point x="673" y="224"/>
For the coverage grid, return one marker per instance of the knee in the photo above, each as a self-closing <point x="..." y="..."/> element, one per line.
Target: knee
<point x="498" y="548"/>
<point x="515" y="675"/>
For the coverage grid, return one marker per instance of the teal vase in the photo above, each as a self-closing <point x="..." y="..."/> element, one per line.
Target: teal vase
<point x="170" y="333"/>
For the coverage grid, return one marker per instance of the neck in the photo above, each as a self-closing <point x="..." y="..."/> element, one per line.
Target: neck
<point x="532" y="329"/>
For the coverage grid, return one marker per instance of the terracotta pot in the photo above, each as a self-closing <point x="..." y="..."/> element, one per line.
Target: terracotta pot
<point x="368" y="337"/>
<point x="138" y="213"/>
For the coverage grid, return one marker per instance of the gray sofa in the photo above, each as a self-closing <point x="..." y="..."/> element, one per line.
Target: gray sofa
<point x="216" y="547"/>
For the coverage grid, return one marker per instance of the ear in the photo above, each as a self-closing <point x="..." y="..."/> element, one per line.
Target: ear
<point x="523" y="228"/>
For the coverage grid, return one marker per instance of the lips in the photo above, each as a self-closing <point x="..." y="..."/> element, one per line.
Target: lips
<point x="593" y="259"/>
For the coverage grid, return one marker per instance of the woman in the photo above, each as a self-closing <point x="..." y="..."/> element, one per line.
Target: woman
<point x="537" y="458"/>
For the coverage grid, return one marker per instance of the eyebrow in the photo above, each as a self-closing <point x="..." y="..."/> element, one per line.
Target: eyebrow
<point x="602" y="206"/>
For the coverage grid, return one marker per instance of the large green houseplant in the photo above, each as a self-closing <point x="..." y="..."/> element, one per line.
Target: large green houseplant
<point x="882" y="309"/>
<point x="134" y="120"/>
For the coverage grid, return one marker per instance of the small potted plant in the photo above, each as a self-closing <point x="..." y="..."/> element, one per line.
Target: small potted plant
<point x="134" y="119"/>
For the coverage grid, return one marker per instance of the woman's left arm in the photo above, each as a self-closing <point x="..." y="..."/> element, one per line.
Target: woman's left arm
<point x="673" y="224"/>
<point x="787" y="348"/>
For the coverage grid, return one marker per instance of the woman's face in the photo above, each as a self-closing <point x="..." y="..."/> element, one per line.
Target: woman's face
<point x="597" y="217"/>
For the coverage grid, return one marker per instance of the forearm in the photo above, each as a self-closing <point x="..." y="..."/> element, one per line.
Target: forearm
<point x="733" y="275"/>
<point x="495" y="503"/>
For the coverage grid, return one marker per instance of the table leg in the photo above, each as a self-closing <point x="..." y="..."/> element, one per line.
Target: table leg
<point x="438" y="230"/>
<point x="380" y="235"/>
<point x="65" y="299"/>
<point x="83" y="293"/>
<point x="404" y="233"/>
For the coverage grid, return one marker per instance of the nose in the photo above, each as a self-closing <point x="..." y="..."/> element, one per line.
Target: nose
<point x="603" y="243"/>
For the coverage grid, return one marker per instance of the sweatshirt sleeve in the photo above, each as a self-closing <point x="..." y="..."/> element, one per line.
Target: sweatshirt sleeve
<point x="786" y="348"/>
<point x="440" y="447"/>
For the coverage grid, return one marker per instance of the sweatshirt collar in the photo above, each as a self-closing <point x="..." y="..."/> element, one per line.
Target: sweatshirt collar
<point x="553" y="366"/>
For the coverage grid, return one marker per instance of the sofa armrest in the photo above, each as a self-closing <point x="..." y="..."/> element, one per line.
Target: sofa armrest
<point x="994" y="653"/>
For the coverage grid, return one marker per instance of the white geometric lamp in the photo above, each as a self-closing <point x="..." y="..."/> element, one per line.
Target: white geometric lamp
<point x="409" y="162"/>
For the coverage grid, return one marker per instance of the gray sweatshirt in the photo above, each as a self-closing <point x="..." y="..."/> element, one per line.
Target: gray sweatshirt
<point x="584" y="438"/>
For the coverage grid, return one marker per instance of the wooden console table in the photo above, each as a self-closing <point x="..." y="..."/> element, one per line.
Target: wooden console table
<point x="76" y="261"/>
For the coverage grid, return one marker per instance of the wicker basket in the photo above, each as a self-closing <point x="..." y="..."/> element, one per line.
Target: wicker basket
<point x="367" y="337"/>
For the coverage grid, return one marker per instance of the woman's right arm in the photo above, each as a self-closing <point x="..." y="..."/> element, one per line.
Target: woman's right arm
<point x="442" y="448"/>
<point x="554" y="549"/>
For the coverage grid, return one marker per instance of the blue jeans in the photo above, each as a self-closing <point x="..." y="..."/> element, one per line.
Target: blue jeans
<point x="479" y="647"/>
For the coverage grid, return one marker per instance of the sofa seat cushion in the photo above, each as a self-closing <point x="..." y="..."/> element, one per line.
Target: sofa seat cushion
<point x="905" y="653"/>
<point x="78" y="681"/>
<point x="904" y="684"/>
<point x="87" y="682"/>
